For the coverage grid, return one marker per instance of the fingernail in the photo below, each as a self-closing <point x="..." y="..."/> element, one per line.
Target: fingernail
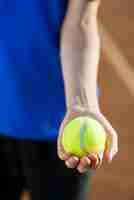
<point x="88" y="160"/>
<point x="67" y="164"/>
<point x="76" y="158"/>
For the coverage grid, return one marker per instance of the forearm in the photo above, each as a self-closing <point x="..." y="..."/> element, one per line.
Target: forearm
<point x="80" y="52"/>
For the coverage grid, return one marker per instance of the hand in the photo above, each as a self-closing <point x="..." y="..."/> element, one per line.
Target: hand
<point x="89" y="161"/>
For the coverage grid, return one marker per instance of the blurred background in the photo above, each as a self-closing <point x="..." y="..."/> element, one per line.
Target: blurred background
<point x="115" y="181"/>
<point x="116" y="77"/>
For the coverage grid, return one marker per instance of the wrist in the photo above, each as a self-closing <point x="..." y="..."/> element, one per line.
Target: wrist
<point x="79" y="107"/>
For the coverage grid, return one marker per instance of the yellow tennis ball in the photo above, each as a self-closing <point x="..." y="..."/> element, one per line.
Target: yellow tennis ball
<point x="84" y="135"/>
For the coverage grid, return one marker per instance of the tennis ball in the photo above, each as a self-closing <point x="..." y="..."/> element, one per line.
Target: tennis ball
<point x="84" y="135"/>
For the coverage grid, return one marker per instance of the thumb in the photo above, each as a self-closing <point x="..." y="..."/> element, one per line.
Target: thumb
<point x="111" y="146"/>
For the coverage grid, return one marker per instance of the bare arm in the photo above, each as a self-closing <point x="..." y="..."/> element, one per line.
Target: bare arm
<point x="80" y="52"/>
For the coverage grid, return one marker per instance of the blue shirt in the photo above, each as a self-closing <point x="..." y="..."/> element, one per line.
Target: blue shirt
<point x="32" y="99"/>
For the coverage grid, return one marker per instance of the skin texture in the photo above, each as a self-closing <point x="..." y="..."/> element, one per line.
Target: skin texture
<point x="80" y="53"/>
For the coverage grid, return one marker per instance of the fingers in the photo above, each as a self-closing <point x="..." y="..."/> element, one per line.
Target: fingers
<point x="89" y="162"/>
<point x="111" y="147"/>
<point x="112" y="140"/>
<point x="84" y="164"/>
<point x="72" y="162"/>
<point x="63" y="156"/>
<point x="95" y="161"/>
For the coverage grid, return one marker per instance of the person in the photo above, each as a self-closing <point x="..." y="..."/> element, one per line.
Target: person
<point x="49" y="54"/>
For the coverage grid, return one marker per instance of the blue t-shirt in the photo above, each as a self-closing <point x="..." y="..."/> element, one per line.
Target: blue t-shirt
<point x="32" y="99"/>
